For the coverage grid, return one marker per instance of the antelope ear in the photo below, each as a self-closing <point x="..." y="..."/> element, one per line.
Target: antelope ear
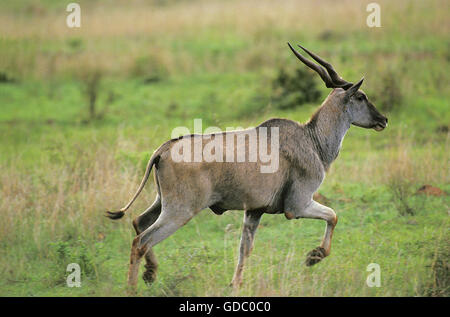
<point x="351" y="91"/>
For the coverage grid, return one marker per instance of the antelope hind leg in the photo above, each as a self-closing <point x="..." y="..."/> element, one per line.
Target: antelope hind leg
<point x="168" y="222"/>
<point x="142" y="222"/>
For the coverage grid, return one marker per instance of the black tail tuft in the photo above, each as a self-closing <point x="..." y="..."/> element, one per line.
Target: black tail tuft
<point x="114" y="215"/>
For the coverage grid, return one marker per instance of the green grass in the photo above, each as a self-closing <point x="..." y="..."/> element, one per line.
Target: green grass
<point x="199" y="259"/>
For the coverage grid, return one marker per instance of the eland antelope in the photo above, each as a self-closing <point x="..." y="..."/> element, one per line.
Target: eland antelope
<point x="305" y="153"/>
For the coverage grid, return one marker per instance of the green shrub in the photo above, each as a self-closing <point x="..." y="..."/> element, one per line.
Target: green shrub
<point x="76" y="251"/>
<point x="6" y="78"/>
<point x="152" y="67"/>
<point x="291" y="90"/>
<point x="401" y="190"/>
<point x="387" y="93"/>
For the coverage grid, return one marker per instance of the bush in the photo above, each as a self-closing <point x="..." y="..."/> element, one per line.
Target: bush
<point x="5" y="78"/>
<point x="88" y="255"/>
<point x="152" y="67"/>
<point x="401" y="190"/>
<point x="91" y="79"/>
<point x="387" y="93"/>
<point x="402" y="179"/>
<point x="296" y="89"/>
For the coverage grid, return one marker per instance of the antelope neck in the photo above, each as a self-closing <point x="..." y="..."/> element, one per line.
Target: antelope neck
<point x="327" y="129"/>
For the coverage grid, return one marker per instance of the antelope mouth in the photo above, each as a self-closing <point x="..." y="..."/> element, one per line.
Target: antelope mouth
<point x="380" y="126"/>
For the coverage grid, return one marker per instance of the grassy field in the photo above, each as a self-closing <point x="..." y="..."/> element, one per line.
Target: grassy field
<point x="82" y="109"/>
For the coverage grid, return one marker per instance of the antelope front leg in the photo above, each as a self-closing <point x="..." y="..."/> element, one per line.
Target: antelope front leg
<point x="318" y="211"/>
<point x="251" y="221"/>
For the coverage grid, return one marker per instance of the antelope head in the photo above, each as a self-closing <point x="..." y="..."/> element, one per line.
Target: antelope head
<point x="351" y="99"/>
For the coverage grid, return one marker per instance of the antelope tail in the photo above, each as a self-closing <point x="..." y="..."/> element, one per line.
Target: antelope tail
<point x="119" y="214"/>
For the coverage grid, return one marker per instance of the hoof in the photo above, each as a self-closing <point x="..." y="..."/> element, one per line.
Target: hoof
<point x="149" y="276"/>
<point x="315" y="256"/>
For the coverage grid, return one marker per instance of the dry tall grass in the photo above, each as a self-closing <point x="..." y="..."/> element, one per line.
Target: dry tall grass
<point x="79" y="190"/>
<point x="403" y="158"/>
<point x="67" y="199"/>
<point x="259" y="26"/>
